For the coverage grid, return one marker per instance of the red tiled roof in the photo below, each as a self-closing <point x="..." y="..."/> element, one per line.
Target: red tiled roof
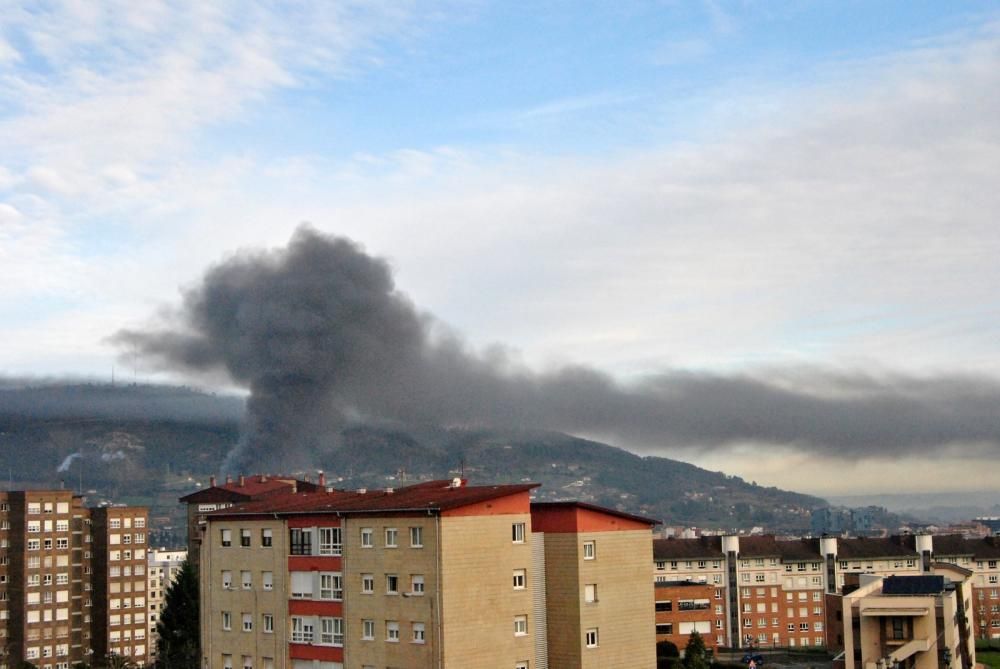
<point x="431" y="495"/>
<point x="799" y="549"/>
<point x="684" y="549"/>
<point x="253" y="487"/>
<point x="759" y="546"/>
<point x="987" y="548"/>
<point x="863" y="547"/>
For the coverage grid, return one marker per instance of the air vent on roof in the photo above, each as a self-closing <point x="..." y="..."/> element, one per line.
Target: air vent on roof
<point x="389" y="491"/>
<point x="362" y="491"/>
<point x="456" y="482"/>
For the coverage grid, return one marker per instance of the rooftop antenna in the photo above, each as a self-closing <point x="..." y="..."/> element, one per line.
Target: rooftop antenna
<point x="112" y="375"/>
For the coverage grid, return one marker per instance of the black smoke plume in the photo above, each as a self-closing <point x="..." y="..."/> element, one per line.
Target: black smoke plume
<point x="320" y="336"/>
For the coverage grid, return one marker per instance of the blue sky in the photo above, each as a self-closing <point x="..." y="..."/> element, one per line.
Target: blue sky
<point x="635" y="186"/>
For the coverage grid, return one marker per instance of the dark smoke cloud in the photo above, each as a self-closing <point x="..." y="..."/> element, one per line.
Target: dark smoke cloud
<point x="320" y="335"/>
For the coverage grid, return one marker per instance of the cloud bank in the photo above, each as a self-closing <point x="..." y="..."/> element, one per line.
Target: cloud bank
<point x="321" y="336"/>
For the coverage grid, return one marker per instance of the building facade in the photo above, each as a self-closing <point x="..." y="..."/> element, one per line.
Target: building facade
<point x="63" y="580"/>
<point x="910" y="622"/>
<point x="162" y="567"/>
<point x="120" y="611"/>
<point x="784" y="592"/>
<point x="438" y="574"/>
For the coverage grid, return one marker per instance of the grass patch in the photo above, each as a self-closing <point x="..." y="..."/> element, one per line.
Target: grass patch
<point x="991" y="658"/>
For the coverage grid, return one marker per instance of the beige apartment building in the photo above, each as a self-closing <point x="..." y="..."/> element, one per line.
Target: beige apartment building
<point x="233" y="491"/>
<point x="595" y="562"/>
<point x="437" y="574"/>
<point x="913" y="622"/>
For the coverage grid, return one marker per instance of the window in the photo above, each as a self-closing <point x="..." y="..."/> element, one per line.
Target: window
<point x="268" y="620"/>
<point x="227" y="661"/>
<point x="247" y="662"/>
<point x="520" y="625"/>
<point x="245" y="538"/>
<point x="367" y="583"/>
<point x="419" y="635"/>
<point x="247" y="622"/>
<point x="664" y="605"/>
<point x="301" y="541"/>
<point x="416" y="537"/>
<point x="227" y="579"/>
<point x="523" y="664"/>
<point x="246" y="578"/>
<point x="329" y="541"/>
<point x="227" y="537"/>
<point x="331" y="631"/>
<point x="266" y="538"/>
<point x="331" y="586"/>
<point x="367" y="537"/>
<point x="61" y="543"/>
<point x="589" y="550"/>
<point x="267" y="580"/>
<point x="34" y="544"/>
<point x="227" y="620"/>
<point x="664" y="628"/>
<point x="367" y="630"/>
<point x="126" y="538"/>
<point x="302" y="629"/>
<point x="416" y="584"/>
<point x="519" y="579"/>
<point x="591" y="637"/>
<point x="391" y="537"/>
<point x="140" y="523"/>
<point x="391" y="630"/>
<point x="302" y="585"/>
<point x="391" y="584"/>
<point x="590" y="593"/>
<point x="517" y="533"/>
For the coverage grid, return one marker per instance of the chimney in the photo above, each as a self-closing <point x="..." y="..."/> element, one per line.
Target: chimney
<point x="322" y="479"/>
<point x="229" y="479"/>
<point x="243" y="480"/>
<point x="211" y="481"/>
<point x="263" y="478"/>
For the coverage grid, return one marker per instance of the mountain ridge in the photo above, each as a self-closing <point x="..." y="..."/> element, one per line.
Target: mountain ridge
<point x="126" y="440"/>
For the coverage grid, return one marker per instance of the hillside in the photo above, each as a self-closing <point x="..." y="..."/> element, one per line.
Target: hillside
<point x="151" y="444"/>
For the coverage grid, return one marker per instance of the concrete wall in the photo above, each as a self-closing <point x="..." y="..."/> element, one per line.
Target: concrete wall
<point x="256" y="601"/>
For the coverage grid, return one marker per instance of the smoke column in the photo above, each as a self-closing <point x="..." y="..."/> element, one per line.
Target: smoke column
<point x="320" y="335"/>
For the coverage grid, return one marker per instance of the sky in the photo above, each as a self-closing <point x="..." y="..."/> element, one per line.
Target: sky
<point x="798" y="194"/>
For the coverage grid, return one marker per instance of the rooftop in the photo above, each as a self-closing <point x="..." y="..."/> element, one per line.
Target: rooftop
<point x="247" y="488"/>
<point x="428" y="496"/>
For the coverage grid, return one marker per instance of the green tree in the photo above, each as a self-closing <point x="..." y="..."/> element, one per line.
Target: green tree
<point x="178" y="645"/>
<point x="695" y="655"/>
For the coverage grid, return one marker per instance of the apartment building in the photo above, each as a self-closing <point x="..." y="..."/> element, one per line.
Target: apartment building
<point x="683" y="607"/>
<point x="594" y="562"/>
<point x="438" y="574"/>
<point x="910" y="621"/>
<point x="785" y="592"/>
<point x="44" y="579"/>
<point x="234" y="491"/>
<point x="120" y="611"/>
<point x="162" y="567"/>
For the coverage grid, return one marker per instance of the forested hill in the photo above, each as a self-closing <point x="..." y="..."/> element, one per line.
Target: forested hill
<point x="135" y="441"/>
